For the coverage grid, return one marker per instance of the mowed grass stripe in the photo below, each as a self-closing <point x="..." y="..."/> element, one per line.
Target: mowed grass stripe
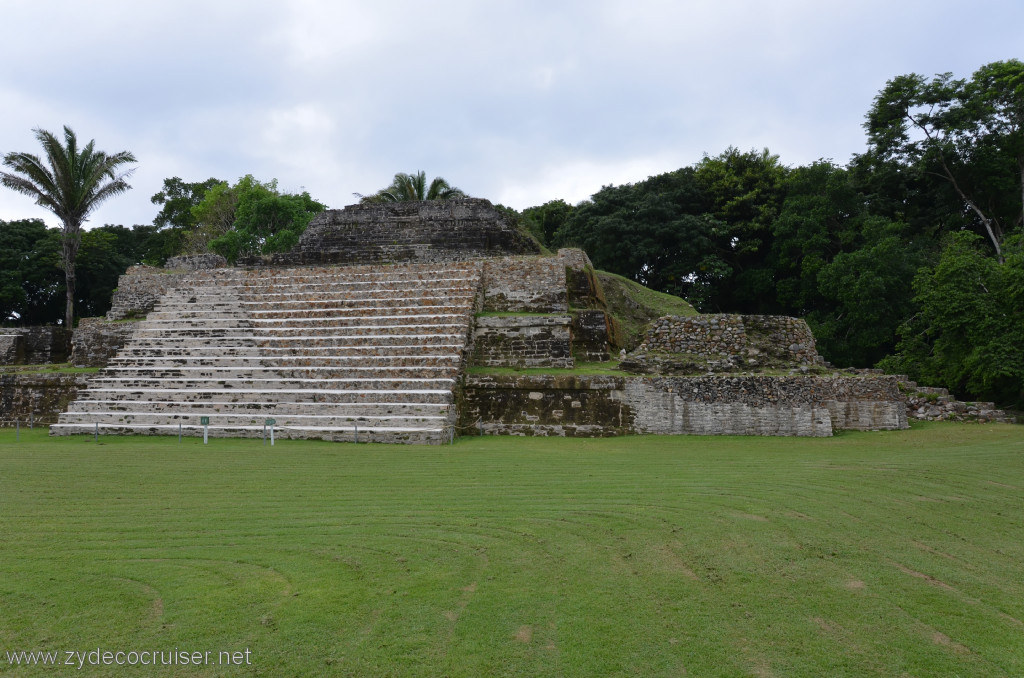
<point x="866" y="554"/>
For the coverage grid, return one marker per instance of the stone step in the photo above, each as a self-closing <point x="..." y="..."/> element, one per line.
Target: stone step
<point x="195" y="315"/>
<point x="299" y="318"/>
<point x="103" y="381"/>
<point x="317" y="373"/>
<point x="377" y="434"/>
<point x="366" y="272"/>
<point x="263" y="408"/>
<point x="325" y="293"/>
<point x="311" y="340"/>
<point x="285" y="293"/>
<point x="278" y="353"/>
<point x="321" y="349"/>
<point x="251" y="419"/>
<point x="259" y="395"/>
<point x="433" y="301"/>
<point x="297" y="276"/>
<point x="262" y="330"/>
<point x="284" y="362"/>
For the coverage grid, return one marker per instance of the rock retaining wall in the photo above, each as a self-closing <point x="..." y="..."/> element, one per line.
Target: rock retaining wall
<point x="139" y="290"/>
<point x="525" y="284"/>
<point x="725" y="341"/>
<point x="573" y="405"/>
<point x="36" y="345"/>
<point x="36" y="397"/>
<point x="196" y="262"/>
<point x="12" y="349"/>
<point x="590" y="335"/>
<point x="522" y="341"/>
<point x="97" y="340"/>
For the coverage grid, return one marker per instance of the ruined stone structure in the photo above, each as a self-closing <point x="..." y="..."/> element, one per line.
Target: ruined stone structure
<point x="408" y="231"/>
<point x="35" y="345"/>
<point x="96" y="341"/>
<point x="723" y="342"/>
<point x="335" y="353"/>
<point x="571" y="405"/>
<point x="27" y="399"/>
<point x="376" y="345"/>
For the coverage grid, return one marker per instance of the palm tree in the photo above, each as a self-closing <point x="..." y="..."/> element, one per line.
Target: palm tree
<point x="71" y="183"/>
<point x="413" y="187"/>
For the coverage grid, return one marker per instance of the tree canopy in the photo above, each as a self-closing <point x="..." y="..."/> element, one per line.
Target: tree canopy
<point x="405" y="187"/>
<point x="250" y="218"/>
<point x="71" y="183"/>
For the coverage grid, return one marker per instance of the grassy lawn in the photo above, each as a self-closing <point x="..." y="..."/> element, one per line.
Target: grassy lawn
<point x="877" y="554"/>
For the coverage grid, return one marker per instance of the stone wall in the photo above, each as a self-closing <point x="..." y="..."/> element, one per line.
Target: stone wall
<point x="590" y="335"/>
<point x="425" y="231"/>
<point x="525" y="284"/>
<point x="139" y="290"/>
<point x="97" y="340"/>
<point x="37" y="345"/>
<point x="583" y="287"/>
<point x="196" y="262"/>
<point x="38" y="397"/>
<point x="573" y="405"/>
<point x="522" y="341"/>
<point x="725" y="341"/>
<point x="12" y="349"/>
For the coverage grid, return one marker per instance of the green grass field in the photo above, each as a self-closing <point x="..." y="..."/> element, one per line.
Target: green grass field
<point x="867" y="554"/>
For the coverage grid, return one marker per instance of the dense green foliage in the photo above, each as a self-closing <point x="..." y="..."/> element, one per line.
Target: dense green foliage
<point x="869" y="554"/>
<point x="71" y="182"/>
<point x="406" y="187"/>
<point x="251" y="218"/>
<point x="852" y="249"/>
<point x="969" y="330"/>
<point x="32" y="286"/>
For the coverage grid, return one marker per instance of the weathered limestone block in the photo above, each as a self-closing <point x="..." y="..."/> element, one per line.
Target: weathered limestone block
<point x="139" y="290"/>
<point x="97" y="340"/>
<point x="711" y="405"/>
<point x="581" y="281"/>
<point x="522" y="341"/>
<point x="525" y="284"/>
<point x="590" y="335"/>
<point x="37" y="397"/>
<point x="721" y="342"/>
<point x="543" y="405"/>
<point x="196" y="262"/>
<point x="36" y="345"/>
<point x="12" y="349"/>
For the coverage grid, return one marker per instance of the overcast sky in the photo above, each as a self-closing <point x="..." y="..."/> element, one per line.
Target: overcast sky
<point x="517" y="102"/>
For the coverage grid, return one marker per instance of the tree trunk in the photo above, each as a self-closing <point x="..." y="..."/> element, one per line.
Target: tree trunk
<point x="69" y="252"/>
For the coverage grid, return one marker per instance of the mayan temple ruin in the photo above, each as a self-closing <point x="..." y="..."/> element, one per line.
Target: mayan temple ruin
<point x="418" y="322"/>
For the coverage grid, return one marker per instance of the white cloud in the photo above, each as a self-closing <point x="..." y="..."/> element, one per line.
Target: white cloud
<point x="519" y="102"/>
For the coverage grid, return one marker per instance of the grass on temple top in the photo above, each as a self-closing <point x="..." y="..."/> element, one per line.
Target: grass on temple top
<point x="866" y="554"/>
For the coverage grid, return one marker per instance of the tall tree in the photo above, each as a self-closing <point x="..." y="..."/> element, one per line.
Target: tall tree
<point x="656" y="232"/>
<point x="968" y="132"/>
<point x="251" y="217"/>
<point x="71" y="183"/>
<point x="405" y="187"/>
<point x="31" y="289"/>
<point x="544" y="220"/>
<point x="744" y="191"/>
<point x="177" y="200"/>
<point x="968" y="333"/>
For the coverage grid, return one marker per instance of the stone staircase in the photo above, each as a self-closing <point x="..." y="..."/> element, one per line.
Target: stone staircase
<point x="367" y="352"/>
